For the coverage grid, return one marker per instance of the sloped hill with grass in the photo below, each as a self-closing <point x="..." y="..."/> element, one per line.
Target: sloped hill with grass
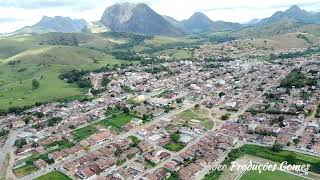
<point x="285" y="41"/>
<point x="44" y="63"/>
<point x="44" y="57"/>
<point x="268" y="30"/>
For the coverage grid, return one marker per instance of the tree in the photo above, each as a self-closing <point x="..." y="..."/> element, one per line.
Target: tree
<point x="4" y="133"/>
<point x="20" y="142"/>
<point x="34" y="144"/>
<point x="39" y="114"/>
<point x="135" y="141"/>
<point x="179" y="100"/>
<point x="118" y="152"/>
<point x="144" y="117"/>
<point x="105" y="81"/>
<point x="175" y="137"/>
<point x="35" y="84"/>
<point x="27" y="119"/>
<point x="296" y="141"/>
<point x="126" y="110"/>
<point x="225" y="117"/>
<point x="53" y="121"/>
<point x="221" y="94"/>
<point x="276" y="147"/>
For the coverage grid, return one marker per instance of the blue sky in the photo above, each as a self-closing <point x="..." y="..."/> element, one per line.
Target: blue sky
<point x="18" y="13"/>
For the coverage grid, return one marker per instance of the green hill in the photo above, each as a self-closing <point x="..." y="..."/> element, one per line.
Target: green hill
<point x="44" y="57"/>
<point x="45" y="64"/>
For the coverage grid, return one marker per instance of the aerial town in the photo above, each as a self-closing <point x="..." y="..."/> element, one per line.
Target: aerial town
<point x="159" y="90"/>
<point x="169" y="120"/>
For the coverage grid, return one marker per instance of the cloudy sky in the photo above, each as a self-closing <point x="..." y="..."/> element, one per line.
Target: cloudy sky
<point x="15" y="14"/>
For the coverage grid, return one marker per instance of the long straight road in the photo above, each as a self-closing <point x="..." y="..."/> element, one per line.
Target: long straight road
<point x="7" y="148"/>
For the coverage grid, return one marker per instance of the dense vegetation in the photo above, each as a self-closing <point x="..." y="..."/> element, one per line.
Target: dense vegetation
<point x="289" y="55"/>
<point x="76" y="76"/>
<point x="297" y="79"/>
<point x="61" y="39"/>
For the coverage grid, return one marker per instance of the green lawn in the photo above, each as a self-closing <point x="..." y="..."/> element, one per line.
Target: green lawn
<point x="175" y="147"/>
<point x="267" y="153"/>
<point x="54" y="175"/>
<point x="289" y="156"/>
<point x="116" y="122"/>
<point x="83" y="133"/>
<point x="270" y="175"/>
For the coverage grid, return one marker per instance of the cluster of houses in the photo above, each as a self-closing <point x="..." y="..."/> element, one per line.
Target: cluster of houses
<point x="238" y="50"/>
<point x="277" y="117"/>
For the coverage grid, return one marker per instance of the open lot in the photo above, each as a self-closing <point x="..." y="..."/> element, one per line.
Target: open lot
<point x="24" y="170"/>
<point x="195" y="117"/>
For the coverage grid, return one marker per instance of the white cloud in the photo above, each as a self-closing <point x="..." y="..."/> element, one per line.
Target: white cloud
<point x="31" y="11"/>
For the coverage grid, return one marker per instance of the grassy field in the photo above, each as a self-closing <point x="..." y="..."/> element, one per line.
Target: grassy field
<point x="195" y="116"/>
<point x="270" y="175"/>
<point x="290" y="157"/>
<point x="83" y="133"/>
<point x="290" y="40"/>
<point x="115" y="123"/>
<point x="54" y="175"/>
<point x="24" y="170"/>
<point x="175" y="147"/>
<point x="45" y="64"/>
<point x="267" y="153"/>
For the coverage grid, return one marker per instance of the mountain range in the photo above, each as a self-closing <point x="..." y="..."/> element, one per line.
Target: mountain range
<point x="140" y="18"/>
<point x="55" y="24"/>
<point x="137" y="18"/>
<point x="294" y="14"/>
<point x="199" y="23"/>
